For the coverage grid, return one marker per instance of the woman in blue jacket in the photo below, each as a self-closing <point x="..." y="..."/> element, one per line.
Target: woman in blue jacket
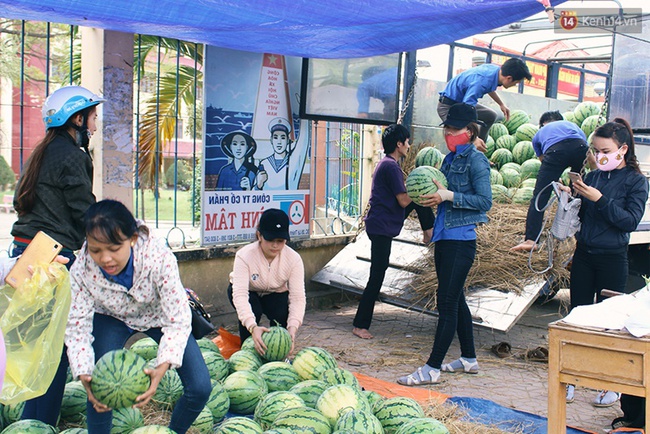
<point x="613" y="203"/>
<point x="461" y="207"/>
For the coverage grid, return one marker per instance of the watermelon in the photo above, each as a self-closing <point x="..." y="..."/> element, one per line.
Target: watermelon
<point x="153" y="429"/>
<point x="584" y="110"/>
<point x="218" y="402"/>
<point x="30" y="426"/>
<point x="511" y="178"/>
<point x="423" y="425"/>
<point x="336" y="398"/>
<point x="309" y="391"/>
<point x="359" y="421"/>
<point x="279" y="431"/>
<point x="523" y="151"/>
<point x="372" y="397"/>
<point x="119" y="378"/>
<point x="245" y="389"/>
<point x="517" y="119"/>
<point x="73" y="404"/>
<point x="278" y="343"/>
<point x="279" y="376"/>
<point x="169" y="390"/>
<point x="394" y="412"/>
<point x="490" y="146"/>
<point x="512" y="165"/>
<point x="501" y="157"/>
<point x="500" y="193"/>
<point x="248" y="344"/>
<point x="74" y="431"/>
<point x="311" y="362"/>
<point x="147" y="348"/>
<point x="218" y="367"/>
<point x="203" y="423"/>
<point x="244" y="360"/>
<point x="565" y="176"/>
<point x="273" y="404"/>
<point x="420" y="182"/>
<point x="506" y="142"/>
<point x="126" y="420"/>
<point x="529" y="182"/>
<point x="530" y="168"/>
<point x="590" y="124"/>
<point x="239" y="425"/>
<point x="526" y="132"/>
<point x="497" y="130"/>
<point x="495" y="177"/>
<point x="569" y="116"/>
<point x="429" y="156"/>
<point x="11" y="412"/>
<point x="523" y="196"/>
<point x="303" y="420"/>
<point x="334" y="376"/>
<point x="206" y="344"/>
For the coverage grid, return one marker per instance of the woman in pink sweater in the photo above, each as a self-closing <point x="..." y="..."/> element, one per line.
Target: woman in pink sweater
<point x="268" y="278"/>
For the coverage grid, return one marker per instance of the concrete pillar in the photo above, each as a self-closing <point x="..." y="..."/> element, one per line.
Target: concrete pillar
<point x="107" y="68"/>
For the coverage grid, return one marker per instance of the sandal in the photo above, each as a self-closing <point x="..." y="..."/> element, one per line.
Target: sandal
<point x="419" y="377"/>
<point x="606" y="398"/>
<point x="468" y="368"/>
<point x="539" y="354"/>
<point x="501" y="350"/>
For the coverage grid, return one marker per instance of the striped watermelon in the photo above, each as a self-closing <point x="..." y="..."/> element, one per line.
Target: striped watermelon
<point x="495" y="177"/>
<point x="569" y="116"/>
<point x="303" y="420"/>
<point x="565" y="176"/>
<point x="517" y="119"/>
<point x="204" y="422"/>
<point x="372" y="397"/>
<point x="429" y="156"/>
<point x="206" y="344"/>
<point x="423" y="425"/>
<point x="169" y="390"/>
<point x="278" y="343"/>
<point x="74" y="431"/>
<point x="119" y="378"/>
<point x="506" y="142"/>
<point x="522" y="196"/>
<point x="526" y="132"/>
<point x="334" y="376"/>
<point x="394" y="412"/>
<point x="244" y="360"/>
<point x="239" y="425"/>
<point x="279" y="376"/>
<point x="584" y="110"/>
<point x="279" y="431"/>
<point x="245" y="389"/>
<point x="359" y="421"/>
<point x="248" y="344"/>
<point x="530" y="168"/>
<point x="490" y="146"/>
<point x="11" y="412"/>
<point x="153" y="429"/>
<point x="126" y="420"/>
<point x="336" y="398"/>
<point x="310" y="362"/>
<point x="73" y="404"/>
<point x="147" y="348"/>
<point x="511" y="178"/>
<point x="501" y="157"/>
<point x="500" y="193"/>
<point x="590" y="124"/>
<point x="523" y="151"/>
<point x="218" y="367"/>
<point x="497" y="130"/>
<point x="68" y="376"/>
<point x="420" y="182"/>
<point x="529" y="182"/>
<point x="30" y="426"/>
<point x="512" y="166"/>
<point x="273" y="404"/>
<point x="218" y="402"/>
<point x="309" y="391"/>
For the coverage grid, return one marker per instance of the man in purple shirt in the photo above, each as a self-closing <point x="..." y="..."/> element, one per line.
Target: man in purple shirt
<point x="558" y="144"/>
<point x="389" y="206"/>
<point x="470" y="85"/>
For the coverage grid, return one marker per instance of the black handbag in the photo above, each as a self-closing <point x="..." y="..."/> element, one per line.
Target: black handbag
<point x="201" y="324"/>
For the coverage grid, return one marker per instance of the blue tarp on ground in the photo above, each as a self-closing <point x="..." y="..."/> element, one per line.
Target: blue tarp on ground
<point x="507" y="419"/>
<point x="303" y="28"/>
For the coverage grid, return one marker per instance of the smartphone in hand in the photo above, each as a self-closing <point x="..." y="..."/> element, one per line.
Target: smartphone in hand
<point x="42" y="249"/>
<point x="575" y="176"/>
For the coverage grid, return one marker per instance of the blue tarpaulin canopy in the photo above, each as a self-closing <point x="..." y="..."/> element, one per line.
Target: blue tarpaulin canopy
<point x="304" y="28"/>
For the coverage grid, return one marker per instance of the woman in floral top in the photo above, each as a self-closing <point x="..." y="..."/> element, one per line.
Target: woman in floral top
<point x="123" y="282"/>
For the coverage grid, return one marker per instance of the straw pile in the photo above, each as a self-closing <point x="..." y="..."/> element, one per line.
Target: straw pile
<point x="456" y="421"/>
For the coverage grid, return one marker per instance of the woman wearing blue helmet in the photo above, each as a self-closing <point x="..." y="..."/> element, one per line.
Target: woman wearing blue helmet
<point x="53" y="193"/>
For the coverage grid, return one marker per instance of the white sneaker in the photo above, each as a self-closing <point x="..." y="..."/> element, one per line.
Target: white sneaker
<point x="606" y="398"/>
<point x="570" y="391"/>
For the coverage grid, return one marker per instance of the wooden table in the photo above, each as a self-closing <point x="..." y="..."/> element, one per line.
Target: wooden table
<point x="597" y="359"/>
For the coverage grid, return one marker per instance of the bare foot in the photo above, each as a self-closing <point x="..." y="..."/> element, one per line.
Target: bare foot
<point x="361" y="333"/>
<point x="526" y="246"/>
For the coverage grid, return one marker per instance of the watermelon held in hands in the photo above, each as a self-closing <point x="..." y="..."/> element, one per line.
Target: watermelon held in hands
<point x="119" y="378"/>
<point x="278" y="343"/>
<point x="420" y="182"/>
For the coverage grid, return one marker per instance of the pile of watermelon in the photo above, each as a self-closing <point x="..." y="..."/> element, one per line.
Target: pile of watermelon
<point x="510" y="151"/>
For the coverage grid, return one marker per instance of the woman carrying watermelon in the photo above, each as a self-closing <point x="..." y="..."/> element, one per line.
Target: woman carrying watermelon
<point x="461" y="207"/>
<point x="126" y="281"/>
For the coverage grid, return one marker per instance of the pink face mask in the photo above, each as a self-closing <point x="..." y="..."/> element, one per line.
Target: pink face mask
<point x="460" y="139"/>
<point x="608" y="162"/>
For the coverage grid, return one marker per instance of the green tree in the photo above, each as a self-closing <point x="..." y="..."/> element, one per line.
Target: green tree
<point x="7" y="176"/>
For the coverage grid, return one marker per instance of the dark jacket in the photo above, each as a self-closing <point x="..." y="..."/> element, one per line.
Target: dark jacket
<point x="606" y="224"/>
<point x="64" y="192"/>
